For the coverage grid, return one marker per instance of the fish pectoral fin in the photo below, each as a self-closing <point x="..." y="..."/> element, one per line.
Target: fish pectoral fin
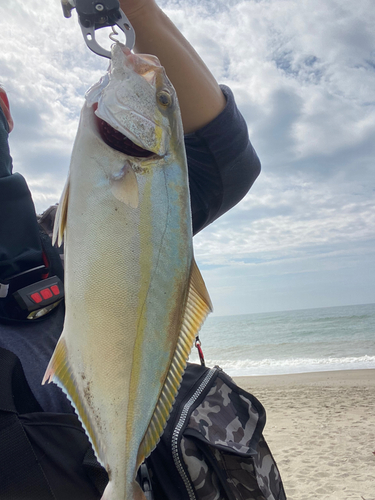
<point x="60" y="372"/>
<point x="198" y="306"/>
<point x="124" y="186"/>
<point x="61" y="215"/>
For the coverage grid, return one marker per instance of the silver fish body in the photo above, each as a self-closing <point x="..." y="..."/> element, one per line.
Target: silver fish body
<point x="134" y="296"/>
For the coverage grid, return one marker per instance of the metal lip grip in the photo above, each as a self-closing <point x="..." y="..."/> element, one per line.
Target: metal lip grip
<point x="96" y="14"/>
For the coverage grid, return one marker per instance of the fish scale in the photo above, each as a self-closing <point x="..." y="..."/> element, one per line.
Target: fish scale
<point x="135" y="299"/>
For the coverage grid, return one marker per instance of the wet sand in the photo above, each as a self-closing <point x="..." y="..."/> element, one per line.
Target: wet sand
<point x="321" y="430"/>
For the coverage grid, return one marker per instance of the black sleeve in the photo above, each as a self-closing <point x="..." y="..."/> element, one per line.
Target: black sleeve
<point x="222" y="164"/>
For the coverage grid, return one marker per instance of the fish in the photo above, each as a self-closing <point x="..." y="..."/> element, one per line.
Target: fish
<point x="135" y="298"/>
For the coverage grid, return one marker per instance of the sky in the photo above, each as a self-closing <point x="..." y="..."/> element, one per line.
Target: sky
<point x="303" y="75"/>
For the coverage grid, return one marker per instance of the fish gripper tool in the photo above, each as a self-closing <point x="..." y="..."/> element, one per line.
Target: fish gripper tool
<point x="96" y="14"/>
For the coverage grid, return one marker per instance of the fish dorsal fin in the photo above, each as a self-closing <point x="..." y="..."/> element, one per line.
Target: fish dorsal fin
<point x="124" y="187"/>
<point x="198" y="306"/>
<point x="61" y="215"/>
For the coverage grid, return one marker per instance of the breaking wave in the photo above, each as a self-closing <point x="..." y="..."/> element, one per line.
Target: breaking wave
<point x="283" y="366"/>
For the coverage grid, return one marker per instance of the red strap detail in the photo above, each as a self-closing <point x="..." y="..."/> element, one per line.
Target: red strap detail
<point x="46" y="263"/>
<point x="4" y="105"/>
<point x="199" y="349"/>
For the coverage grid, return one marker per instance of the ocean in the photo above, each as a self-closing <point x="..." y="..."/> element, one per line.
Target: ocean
<point x="309" y="340"/>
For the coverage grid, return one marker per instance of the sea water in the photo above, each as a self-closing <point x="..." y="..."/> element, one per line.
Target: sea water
<point x="325" y="339"/>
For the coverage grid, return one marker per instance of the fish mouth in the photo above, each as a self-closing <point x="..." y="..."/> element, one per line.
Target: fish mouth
<point x="118" y="141"/>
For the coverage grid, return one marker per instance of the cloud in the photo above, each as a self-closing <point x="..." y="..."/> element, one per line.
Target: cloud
<point x="46" y="69"/>
<point x="303" y="77"/>
<point x="281" y="215"/>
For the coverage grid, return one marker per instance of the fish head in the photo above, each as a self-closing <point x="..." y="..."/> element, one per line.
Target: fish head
<point x="136" y="105"/>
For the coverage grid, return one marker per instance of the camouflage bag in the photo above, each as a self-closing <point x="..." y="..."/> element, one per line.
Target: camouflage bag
<point x="213" y="447"/>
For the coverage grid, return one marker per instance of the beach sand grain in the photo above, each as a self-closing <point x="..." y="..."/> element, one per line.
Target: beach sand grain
<point x="321" y="430"/>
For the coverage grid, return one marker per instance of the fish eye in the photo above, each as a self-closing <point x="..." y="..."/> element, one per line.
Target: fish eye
<point x="164" y="98"/>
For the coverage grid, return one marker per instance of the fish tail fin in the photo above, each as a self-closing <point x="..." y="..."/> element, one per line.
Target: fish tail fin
<point x="137" y="493"/>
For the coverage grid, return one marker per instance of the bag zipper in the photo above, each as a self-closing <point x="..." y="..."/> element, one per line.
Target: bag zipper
<point x="177" y="431"/>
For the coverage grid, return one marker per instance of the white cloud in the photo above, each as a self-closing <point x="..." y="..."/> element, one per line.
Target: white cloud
<point x="303" y="76"/>
<point x="281" y="215"/>
<point x="45" y="68"/>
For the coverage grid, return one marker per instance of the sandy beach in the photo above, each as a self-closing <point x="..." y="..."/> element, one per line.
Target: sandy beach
<point x="321" y="430"/>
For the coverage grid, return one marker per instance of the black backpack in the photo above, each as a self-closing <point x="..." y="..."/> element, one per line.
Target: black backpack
<point x="212" y="447"/>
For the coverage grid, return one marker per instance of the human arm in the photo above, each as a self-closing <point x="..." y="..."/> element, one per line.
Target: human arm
<point x="200" y="96"/>
<point x="222" y="162"/>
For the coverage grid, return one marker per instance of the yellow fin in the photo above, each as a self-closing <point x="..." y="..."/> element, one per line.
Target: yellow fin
<point x="198" y="306"/>
<point x="61" y="215"/>
<point x="124" y="187"/>
<point x="59" y="372"/>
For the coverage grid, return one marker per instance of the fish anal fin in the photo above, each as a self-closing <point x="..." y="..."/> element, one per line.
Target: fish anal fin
<point x="198" y="306"/>
<point x="60" y="372"/>
<point x="61" y="215"/>
<point x="124" y="186"/>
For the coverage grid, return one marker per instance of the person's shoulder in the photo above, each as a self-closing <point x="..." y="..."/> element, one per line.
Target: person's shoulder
<point x="225" y="140"/>
<point x="223" y="164"/>
<point x="46" y="220"/>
